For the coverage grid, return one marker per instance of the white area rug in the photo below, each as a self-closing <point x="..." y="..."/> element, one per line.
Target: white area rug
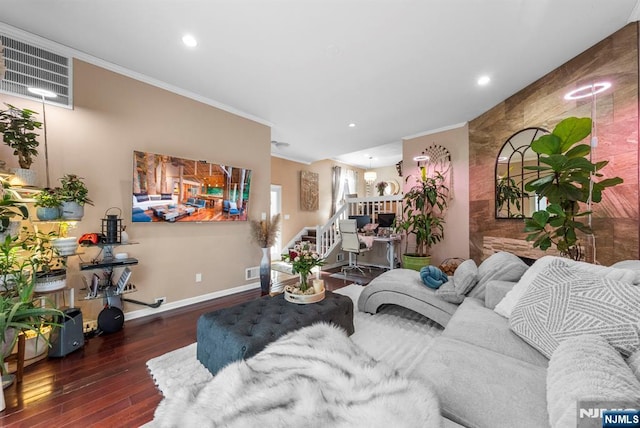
<point x="396" y="336"/>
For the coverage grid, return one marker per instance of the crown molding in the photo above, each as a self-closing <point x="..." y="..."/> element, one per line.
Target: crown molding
<point x="435" y="131"/>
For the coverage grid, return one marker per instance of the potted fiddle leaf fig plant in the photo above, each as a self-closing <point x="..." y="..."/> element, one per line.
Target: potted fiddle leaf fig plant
<point x="17" y="127"/>
<point x="424" y="207"/>
<point x="568" y="180"/>
<point x="74" y="195"/>
<point x="12" y="210"/>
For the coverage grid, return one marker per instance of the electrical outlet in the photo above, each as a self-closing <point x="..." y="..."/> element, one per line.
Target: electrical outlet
<point x="340" y="257"/>
<point x="89" y="326"/>
<point x="198" y="277"/>
<point x="160" y="300"/>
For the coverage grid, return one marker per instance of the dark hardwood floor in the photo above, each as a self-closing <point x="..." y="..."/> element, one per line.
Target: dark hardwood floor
<point x="106" y="383"/>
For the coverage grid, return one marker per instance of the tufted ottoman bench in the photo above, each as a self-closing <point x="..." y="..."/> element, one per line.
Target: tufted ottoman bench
<point x="241" y="331"/>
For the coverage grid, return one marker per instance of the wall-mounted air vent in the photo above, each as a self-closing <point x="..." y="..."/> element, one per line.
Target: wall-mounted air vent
<point x="29" y="66"/>
<point x="252" y="273"/>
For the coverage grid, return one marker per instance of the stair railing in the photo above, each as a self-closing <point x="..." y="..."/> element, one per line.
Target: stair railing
<point x="327" y="235"/>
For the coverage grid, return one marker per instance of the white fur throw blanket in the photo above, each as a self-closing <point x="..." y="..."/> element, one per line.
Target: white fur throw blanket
<point x="313" y="377"/>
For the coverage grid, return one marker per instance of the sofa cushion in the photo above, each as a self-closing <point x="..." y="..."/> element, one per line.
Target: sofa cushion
<point x="495" y="292"/>
<point x="479" y="326"/>
<point x="481" y="388"/>
<point x="448" y="293"/>
<point x="505" y="307"/>
<point x="634" y="363"/>
<point x="564" y="302"/>
<point x="500" y="266"/>
<point x="465" y="277"/>
<point x="586" y="368"/>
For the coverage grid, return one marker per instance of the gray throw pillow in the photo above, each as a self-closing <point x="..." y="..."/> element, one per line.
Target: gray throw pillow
<point x="586" y="368"/>
<point x="465" y="277"/>
<point x="448" y="293"/>
<point x="564" y="302"/>
<point x="501" y="266"/>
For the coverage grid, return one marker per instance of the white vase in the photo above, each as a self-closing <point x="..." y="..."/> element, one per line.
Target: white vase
<point x="124" y="237"/>
<point x="72" y="211"/>
<point x="25" y="177"/>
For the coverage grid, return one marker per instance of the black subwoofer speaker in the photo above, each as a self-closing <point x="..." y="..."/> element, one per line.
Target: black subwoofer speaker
<point x="69" y="336"/>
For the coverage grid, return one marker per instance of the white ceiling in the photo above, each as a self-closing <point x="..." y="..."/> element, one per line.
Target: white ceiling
<point x="308" y="68"/>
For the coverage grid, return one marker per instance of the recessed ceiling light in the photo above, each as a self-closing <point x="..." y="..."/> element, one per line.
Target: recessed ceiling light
<point x="484" y="80"/>
<point x="189" y="41"/>
<point x="352" y="125"/>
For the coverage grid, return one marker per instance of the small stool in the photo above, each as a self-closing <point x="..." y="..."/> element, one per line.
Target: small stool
<point x="241" y="331"/>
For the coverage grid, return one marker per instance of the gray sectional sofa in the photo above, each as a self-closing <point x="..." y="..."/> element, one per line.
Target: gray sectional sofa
<point x="487" y="376"/>
<point x="484" y="374"/>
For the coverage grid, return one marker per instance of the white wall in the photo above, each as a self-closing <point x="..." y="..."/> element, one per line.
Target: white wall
<point x="456" y="233"/>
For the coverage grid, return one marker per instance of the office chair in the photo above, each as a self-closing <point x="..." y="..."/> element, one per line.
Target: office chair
<point x="351" y="243"/>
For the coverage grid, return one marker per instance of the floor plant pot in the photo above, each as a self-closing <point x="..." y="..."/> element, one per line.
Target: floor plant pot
<point x="47" y="213"/>
<point x="415" y="262"/>
<point x="72" y="211"/>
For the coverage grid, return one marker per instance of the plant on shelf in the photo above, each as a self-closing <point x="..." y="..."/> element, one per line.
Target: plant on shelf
<point x="74" y="195"/>
<point x="17" y="126"/>
<point x="567" y="179"/>
<point x="12" y="210"/>
<point x="19" y="311"/>
<point x="424" y="208"/>
<point x="303" y="259"/>
<point x="48" y="203"/>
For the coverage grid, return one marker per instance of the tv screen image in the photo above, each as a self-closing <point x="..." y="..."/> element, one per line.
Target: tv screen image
<point x="170" y="189"/>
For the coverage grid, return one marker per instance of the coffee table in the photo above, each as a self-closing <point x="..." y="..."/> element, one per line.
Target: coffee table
<point x="171" y="214"/>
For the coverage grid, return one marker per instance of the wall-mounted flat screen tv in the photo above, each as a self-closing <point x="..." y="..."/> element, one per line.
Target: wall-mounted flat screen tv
<point x="176" y="190"/>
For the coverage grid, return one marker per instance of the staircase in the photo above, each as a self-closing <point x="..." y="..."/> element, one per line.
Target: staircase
<point x="327" y="238"/>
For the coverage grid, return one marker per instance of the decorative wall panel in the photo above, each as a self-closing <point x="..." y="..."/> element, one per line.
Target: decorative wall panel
<point x="541" y="104"/>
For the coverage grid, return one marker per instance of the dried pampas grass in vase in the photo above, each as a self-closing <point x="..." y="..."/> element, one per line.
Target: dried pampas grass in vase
<point x="265" y="232"/>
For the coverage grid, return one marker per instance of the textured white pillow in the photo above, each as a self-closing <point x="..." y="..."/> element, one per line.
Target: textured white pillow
<point x="565" y="302"/>
<point x="506" y="305"/>
<point x="586" y="368"/>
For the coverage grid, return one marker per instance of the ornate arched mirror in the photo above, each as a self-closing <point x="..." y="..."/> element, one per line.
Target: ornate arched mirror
<point x="512" y="201"/>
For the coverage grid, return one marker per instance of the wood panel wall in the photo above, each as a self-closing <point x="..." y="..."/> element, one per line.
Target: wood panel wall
<point x="542" y="104"/>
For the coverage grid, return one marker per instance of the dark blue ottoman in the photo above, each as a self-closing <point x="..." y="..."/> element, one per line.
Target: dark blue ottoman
<point x="243" y="330"/>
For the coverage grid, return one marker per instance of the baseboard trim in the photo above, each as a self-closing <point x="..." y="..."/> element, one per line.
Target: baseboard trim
<point x="141" y="313"/>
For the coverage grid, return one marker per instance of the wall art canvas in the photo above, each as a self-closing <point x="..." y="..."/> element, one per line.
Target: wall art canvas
<point x="171" y="189"/>
<point x="309" y="192"/>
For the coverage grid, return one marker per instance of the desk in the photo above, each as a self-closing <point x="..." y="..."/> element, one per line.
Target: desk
<point x="391" y="243"/>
